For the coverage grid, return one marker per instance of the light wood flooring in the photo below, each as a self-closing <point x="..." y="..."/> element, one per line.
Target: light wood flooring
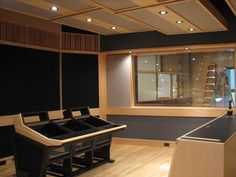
<point x="135" y="161"/>
<point x="130" y="161"/>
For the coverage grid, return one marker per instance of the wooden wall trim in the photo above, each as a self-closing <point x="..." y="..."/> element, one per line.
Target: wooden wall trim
<point x="102" y="81"/>
<point x="169" y="111"/>
<point x="17" y="44"/>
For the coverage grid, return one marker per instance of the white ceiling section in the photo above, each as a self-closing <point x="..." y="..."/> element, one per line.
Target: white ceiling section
<point x="128" y="16"/>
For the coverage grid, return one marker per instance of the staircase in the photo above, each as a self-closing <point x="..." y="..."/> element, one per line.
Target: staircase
<point x="209" y="90"/>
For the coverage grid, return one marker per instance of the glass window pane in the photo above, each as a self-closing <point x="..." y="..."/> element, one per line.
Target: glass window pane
<point x="203" y="79"/>
<point x="147" y="63"/>
<point x="146" y="87"/>
<point x="164" y="86"/>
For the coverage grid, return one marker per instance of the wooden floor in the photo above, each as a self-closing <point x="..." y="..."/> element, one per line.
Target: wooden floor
<point x="132" y="161"/>
<point x="135" y="161"/>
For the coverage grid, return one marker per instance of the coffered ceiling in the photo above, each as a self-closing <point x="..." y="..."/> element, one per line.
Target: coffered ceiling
<point x="127" y="16"/>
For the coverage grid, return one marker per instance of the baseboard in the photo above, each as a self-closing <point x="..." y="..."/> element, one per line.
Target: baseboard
<point x="143" y="142"/>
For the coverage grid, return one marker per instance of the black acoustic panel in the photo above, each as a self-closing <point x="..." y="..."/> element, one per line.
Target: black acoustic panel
<point x="156" y="128"/>
<point x="80" y="80"/>
<point x="6" y="138"/>
<point x="29" y="80"/>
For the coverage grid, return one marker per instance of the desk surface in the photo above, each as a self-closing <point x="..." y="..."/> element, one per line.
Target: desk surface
<point x="220" y="130"/>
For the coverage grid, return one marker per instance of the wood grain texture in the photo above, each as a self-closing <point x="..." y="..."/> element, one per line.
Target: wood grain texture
<point x="135" y="161"/>
<point x="132" y="161"/>
<point x="197" y="159"/>
<point x="167" y="111"/>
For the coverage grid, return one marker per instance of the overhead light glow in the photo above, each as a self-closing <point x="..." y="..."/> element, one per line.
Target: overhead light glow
<point x="89" y="20"/>
<point x="179" y="22"/>
<point x="54" y="8"/>
<point x="163" y="12"/>
<point x="191" y="29"/>
<point x="186" y="48"/>
<point x="130" y="51"/>
<point x="113" y="27"/>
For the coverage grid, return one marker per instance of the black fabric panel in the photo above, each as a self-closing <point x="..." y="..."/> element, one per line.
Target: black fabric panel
<point x="70" y="29"/>
<point x="157" y="39"/>
<point x="80" y="80"/>
<point x="156" y="128"/>
<point x="29" y="80"/>
<point x="6" y="138"/>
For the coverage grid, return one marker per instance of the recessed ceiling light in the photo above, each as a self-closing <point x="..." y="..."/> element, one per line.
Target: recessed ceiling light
<point x="179" y="22"/>
<point x="130" y="51"/>
<point x="191" y="29"/>
<point x="163" y="12"/>
<point x="89" y="20"/>
<point x="54" y="8"/>
<point x="113" y="27"/>
<point x="186" y="48"/>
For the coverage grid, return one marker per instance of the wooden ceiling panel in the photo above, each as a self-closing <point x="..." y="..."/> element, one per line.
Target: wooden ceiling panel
<point x="115" y="20"/>
<point x="76" y="5"/>
<point x="27" y="9"/>
<point x="115" y="4"/>
<point x="196" y="12"/>
<point x="79" y="23"/>
<point x="172" y="18"/>
<point x="232" y="5"/>
<point x="46" y="6"/>
<point x="155" y="21"/>
<point x="127" y="15"/>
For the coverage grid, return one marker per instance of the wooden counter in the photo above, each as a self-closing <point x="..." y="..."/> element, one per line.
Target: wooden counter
<point x="208" y="151"/>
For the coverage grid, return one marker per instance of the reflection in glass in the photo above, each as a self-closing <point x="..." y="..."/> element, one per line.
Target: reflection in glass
<point x="186" y="79"/>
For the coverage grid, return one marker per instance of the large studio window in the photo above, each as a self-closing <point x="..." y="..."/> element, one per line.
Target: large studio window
<point x="186" y="79"/>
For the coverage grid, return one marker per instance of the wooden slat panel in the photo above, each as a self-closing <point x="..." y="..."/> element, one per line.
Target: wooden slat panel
<point x="15" y="32"/>
<point x="82" y="43"/>
<point x="96" y="44"/>
<point x="9" y="31"/>
<point x="41" y="38"/>
<point x="67" y="41"/>
<point x="56" y="40"/>
<point x="77" y="42"/>
<point x="72" y="42"/>
<point x="37" y="37"/>
<point x="46" y="41"/>
<point x="87" y="42"/>
<point x="63" y="36"/>
<point x="93" y="44"/>
<point x="31" y="36"/>
<point x="21" y="34"/>
<point x="51" y="40"/>
<point x="3" y="30"/>
<point x="27" y="35"/>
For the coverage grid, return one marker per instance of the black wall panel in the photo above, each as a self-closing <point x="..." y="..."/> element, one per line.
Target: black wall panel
<point x="156" y="128"/>
<point x="80" y="80"/>
<point x="29" y="80"/>
<point x="6" y="138"/>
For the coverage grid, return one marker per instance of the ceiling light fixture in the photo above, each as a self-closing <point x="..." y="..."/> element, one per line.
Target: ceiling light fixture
<point x="89" y="20"/>
<point x="163" y="12"/>
<point x="54" y="8"/>
<point x="191" y="29"/>
<point x="186" y="48"/>
<point x="113" y="27"/>
<point x="179" y="22"/>
<point x="129" y="51"/>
